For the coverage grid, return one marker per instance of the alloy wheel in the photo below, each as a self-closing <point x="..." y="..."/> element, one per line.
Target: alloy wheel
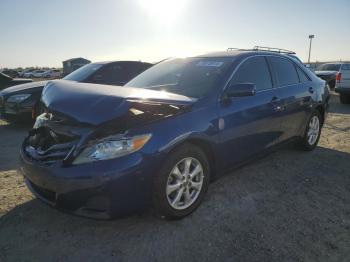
<point x="314" y="130"/>
<point x="184" y="183"/>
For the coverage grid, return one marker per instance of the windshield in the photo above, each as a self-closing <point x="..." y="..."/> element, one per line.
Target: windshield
<point x="329" y="67"/>
<point x="83" y="73"/>
<point x="193" y="77"/>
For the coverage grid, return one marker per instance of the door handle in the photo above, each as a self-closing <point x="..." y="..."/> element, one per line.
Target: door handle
<point x="311" y="90"/>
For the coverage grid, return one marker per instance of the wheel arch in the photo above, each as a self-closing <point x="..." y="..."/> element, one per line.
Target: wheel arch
<point x="321" y="110"/>
<point x="206" y="147"/>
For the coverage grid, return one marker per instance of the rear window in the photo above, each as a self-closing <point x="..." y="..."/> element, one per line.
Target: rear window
<point x="119" y="73"/>
<point x="83" y="73"/>
<point x="285" y="71"/>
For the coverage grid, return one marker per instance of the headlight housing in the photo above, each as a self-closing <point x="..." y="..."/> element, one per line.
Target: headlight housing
<point x="18" y="98"/>
<point x="112" y="147"/>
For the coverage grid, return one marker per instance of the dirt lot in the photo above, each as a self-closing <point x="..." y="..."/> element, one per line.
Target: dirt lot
<point x="289" y="206"/>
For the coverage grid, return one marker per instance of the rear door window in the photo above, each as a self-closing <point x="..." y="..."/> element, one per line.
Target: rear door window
<point x="284" y="71"/>
<point x="256" y="71"/>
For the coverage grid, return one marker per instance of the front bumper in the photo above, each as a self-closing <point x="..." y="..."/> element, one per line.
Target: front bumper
<point x="101" y="190"/>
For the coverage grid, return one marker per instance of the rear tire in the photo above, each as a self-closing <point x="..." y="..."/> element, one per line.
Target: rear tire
<point x="344" y="98"/>
<point x="181" y="184"/>
<point x="312" y="132"/>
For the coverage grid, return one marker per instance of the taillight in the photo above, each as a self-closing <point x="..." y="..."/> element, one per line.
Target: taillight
<point x="338" y="77"/>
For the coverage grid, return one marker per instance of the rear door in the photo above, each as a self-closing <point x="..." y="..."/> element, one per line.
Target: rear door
<point x="295" y="91"/>
<point x="250" y="124"/>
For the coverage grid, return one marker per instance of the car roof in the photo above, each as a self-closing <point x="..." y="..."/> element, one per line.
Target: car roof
<point x="241" y="53"/>
<point x="112" y="62"/>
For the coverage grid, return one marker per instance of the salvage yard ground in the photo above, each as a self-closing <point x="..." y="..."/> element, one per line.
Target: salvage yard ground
<point x="289" y="206"/>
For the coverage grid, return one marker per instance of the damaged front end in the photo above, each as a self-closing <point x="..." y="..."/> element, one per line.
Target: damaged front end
<point x="87" y="151"/>
<point x="52" y="140"/>
<point x="78" y="116"/>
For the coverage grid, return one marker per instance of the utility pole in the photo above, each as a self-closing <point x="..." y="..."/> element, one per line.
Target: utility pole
<point x="310" y="37"/>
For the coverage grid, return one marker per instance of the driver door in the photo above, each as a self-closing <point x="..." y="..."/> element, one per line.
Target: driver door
<point x="250" y="123"/>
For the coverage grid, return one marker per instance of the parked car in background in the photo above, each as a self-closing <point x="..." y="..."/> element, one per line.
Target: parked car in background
<point x="10" y="72"/>
<point x="52" y="73"/>
<point x="26" y="72"/>
<point x="38" y="73"/>
<point x="7" y="81"/>
<point x="29" y="74"/>
<point x="23" y="100"/>
<point x="342" y="84"/>
<point x="102" y="151"/>
<point x="328" y="72"/>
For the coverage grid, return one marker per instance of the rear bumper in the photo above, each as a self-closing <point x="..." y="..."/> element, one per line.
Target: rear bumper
<point x="100" y="190"/>
<point x="342" y="90"/>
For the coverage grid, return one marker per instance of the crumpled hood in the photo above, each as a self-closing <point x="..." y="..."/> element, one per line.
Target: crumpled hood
<point x="22" y="87"/>
<point x="325" y="72"/>
<point x="97" y="104"/>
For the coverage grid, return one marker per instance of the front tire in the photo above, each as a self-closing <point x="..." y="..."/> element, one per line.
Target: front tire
<point x="312" y="133"/>
<point x="181" y="184"/>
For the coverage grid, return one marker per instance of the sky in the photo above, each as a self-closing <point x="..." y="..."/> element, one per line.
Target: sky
<point x="44" y="33"/>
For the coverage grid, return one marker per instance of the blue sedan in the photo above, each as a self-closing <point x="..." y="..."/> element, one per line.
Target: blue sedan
<point x="158" y="141"/>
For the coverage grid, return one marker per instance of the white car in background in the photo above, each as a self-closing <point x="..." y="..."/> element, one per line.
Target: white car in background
<point x="38" y="73"/>
<point x="52" y="73"/>
<point x="27" y="73"/>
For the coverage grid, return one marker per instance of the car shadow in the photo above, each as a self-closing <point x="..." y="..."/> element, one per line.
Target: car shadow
<point x="11" y="137"/>
<point x="289" y="204"/>
<point x="336" y="107"/>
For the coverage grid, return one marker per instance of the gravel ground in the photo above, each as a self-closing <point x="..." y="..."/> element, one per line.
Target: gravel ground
<point x="288" y="206"/>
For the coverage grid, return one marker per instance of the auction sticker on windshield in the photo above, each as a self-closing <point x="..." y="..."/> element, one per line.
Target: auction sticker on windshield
<point x="210" y="63"/>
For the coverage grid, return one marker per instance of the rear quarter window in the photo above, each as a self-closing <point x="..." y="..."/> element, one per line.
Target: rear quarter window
<point x="302" y="75"/>
<point x="284" y="71"/>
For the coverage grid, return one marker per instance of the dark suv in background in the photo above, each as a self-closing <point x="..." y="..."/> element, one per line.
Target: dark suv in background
<point x="103" y="151"/>
<point x="23" y="100"/>
<point x="328" y="72"/>
<point x="337" y="76"/>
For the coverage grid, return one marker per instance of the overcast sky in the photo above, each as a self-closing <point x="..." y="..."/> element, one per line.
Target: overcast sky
<point x="44" y="33"/>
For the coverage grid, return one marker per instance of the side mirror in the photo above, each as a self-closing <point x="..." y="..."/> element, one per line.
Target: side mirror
<point x="239" y="90"/>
